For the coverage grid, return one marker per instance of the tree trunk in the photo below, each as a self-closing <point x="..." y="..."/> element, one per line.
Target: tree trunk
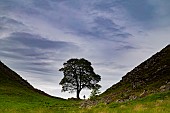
<point x="78" y="92"/>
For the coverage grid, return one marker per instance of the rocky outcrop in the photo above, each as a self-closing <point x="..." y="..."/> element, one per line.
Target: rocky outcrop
<point x="165" y="87"/>
<point x="151" y="76"/>
<point x="155" y="68"/>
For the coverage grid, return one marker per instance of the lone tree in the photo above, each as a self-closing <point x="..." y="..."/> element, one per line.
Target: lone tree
<point x="78" y="74"/>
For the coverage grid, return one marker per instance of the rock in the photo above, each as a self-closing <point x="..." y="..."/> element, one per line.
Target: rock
<point x="168" y="83"/>
<point x="162" y="88"/>
<point x="119" y="101"/>
<point x="132" y="97"/>
<point x="165" y="87"/>
<point x="143" y="94"/>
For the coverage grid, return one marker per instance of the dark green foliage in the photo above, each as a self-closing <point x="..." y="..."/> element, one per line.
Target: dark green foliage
<point x="78" y="74"/>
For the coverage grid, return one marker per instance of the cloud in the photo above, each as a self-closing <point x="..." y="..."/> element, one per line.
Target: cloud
<point x="9" y="25"/>
<point x="36" y="41"/>
<point x="5" y="20"/>
<point x="32" y="51"/>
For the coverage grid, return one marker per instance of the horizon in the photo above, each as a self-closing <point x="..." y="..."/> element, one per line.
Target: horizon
<point x="37" y="37"/>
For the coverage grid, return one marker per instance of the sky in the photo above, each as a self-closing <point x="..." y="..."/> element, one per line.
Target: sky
<point x="38" y="36"/>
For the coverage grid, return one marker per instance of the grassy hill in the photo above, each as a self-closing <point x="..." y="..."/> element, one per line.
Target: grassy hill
<point x="17" y="95"/>
<point x="145" y="89"/>
<point x="147" y="86"/>
<point x="151" y="76"/>
<point x="154" y="103"/>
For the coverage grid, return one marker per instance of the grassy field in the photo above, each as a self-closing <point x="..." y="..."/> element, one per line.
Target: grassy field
<point x="16" y="98"/>
<point x="26" y="101"/>
<point x="21" y="100"/>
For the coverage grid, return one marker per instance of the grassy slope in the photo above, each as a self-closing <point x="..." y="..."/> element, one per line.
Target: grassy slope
<point x="16" y="95"/>
<point x="26" y="101"/>
<point x="149" y="76"/>
<point x="29" y="102"/>
<point x="154" y="103"/>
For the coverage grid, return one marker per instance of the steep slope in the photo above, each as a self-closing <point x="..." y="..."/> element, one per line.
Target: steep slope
<point x="9" y="77"/>
<point x="151" y="76"/>
<point x="11" y="80"/>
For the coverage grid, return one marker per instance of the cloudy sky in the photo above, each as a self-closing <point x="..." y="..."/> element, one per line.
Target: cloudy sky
<point x="38" y="36"/>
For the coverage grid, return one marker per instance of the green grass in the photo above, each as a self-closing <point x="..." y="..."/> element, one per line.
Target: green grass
<point x="19" y="101"/>
<point x="156" y="103"/>
<point x="16" y="98"/>
<point x="28" y="102"/>
<point x="35" y="104"/>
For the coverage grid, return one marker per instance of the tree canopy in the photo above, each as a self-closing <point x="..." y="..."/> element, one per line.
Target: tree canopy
<point x="78" y="74"/>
